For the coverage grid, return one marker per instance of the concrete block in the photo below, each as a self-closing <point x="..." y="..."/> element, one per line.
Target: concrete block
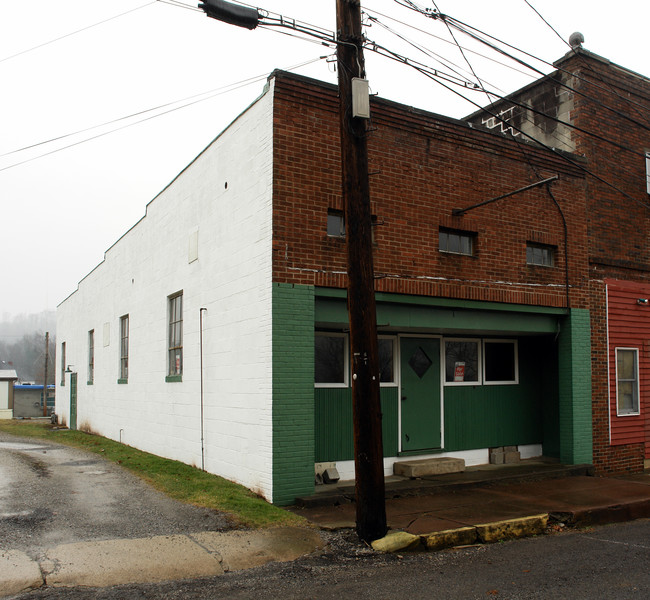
<point x="449" y="538"/>
<point x="397" y="541"/>
<point x="511" y="457"/>
<point x="512" y="528"/>
<point x="497" y="456"/>
<point x="428" y="466"/>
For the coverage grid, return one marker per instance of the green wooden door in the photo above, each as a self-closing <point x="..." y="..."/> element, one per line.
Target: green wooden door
<point x="420" y="393"/>
<point x="73" y="401"/>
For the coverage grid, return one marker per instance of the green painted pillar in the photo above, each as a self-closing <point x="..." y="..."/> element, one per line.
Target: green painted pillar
<point x="293" y="392"/>
<point x="574" y="375"/>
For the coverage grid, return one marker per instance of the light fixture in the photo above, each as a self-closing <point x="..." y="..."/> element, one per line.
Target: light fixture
<point x="68" y="369"/>
<point x="642" y="301"/>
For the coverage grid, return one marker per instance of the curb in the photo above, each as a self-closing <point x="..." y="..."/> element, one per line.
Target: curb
<point x="484" y="533"/>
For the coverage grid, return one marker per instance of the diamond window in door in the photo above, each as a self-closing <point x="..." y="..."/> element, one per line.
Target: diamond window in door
<point x="420" y="362"/>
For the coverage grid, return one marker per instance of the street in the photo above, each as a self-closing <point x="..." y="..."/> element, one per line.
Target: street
<point x="53" y="495"/>
<point x="604" y="562"/>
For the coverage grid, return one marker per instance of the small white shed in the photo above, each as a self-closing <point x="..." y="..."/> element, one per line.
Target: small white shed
<point x="7" y="379"/>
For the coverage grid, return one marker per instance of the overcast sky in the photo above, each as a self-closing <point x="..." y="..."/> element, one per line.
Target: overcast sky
<point x="63" y="207"/>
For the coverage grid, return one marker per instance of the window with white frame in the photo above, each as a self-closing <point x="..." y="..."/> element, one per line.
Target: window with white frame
<point x="124" y="349"/>
<point x="387" y="356"/>
<point x="462" y="361"/>
<point x="627" y="381"/>
<point x="500" y="362"/>
<point x="647" y="172"/>
<point x="91" y="356"/>
<point x="330" y="359"/>
<point x="175" y="336"/>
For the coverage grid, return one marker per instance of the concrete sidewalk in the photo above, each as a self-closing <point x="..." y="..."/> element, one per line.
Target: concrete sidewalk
<point x="158" y="558"/>
<point x="514" y="499"/>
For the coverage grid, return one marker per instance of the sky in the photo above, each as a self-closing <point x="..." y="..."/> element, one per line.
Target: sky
<point x="102" y="104"/>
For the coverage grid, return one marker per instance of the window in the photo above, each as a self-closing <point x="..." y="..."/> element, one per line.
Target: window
<point x="175" y="337"/>
<point x="62" y="381"/>
<point x="91" y="356"/>
<point x="540" y="254"/>
<point x="456" y="242"/>
<point x="387" y="360"/>
<point x="500" y="362"/>
<point x="330" y="360"/>
<point x="627" y="381"/>
<point x="124" y="349"/>
<point x="462" y="359"/>
<point x="335" y="223"/>
<point x="647" y="172"/>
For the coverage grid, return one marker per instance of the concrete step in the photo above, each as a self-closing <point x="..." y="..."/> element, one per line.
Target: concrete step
<point x="428" y="466"/>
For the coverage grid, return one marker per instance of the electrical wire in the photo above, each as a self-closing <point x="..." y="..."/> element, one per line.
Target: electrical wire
<point x="545" y="146"/>
<point x="67" y="35"/>
<point x="212" y="94"/>
<point x="588" y="66"/>
<point x="465" y="28"/>
<point x="453" y="37"/>
<point x="468" y="30"/>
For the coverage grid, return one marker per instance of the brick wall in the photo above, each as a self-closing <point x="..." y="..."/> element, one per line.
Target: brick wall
<point x="618" y="221"/>
<point x="422" y="167"/>
<point x="293" y="392"/>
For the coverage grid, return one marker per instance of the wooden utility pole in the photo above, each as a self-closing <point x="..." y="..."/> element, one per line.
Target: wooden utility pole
<point x="47" y="352"/>
<point x="368" y="448"/>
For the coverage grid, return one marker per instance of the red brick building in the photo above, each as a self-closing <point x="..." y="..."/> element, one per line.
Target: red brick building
<point x="599" y="111"/>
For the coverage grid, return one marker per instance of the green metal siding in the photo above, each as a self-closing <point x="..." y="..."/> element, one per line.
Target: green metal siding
<point x="293" y="392"/>
<point x="437" y="319"/>
<point x="333" y="423"/>
<point x="485" y="416"/>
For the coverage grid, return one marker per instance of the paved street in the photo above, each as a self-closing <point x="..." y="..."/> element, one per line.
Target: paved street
<point x="604" y="562"/>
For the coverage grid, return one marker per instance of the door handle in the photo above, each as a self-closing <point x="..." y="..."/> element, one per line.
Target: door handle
<point x="403" y="398"/>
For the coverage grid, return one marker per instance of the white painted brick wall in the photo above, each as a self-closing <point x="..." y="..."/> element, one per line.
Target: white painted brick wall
<point x="231" y="278"/>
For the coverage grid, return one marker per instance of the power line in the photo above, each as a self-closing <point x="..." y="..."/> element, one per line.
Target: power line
<point x="67" y="35"/>
<point x="547" y="147"/>
<point x="642" y="114"/>
<point x="213" y="94"/>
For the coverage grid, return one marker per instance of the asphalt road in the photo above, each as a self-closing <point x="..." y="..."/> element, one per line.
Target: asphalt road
<point x="51" y="495"/>
<point x="600" y="563"/>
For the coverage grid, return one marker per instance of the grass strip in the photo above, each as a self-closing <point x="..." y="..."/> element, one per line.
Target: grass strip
<point x="175" y="479"/>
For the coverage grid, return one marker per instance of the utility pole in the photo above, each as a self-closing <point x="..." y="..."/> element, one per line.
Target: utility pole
<point x="368" y="446"/>
<point x="47" y="353"/>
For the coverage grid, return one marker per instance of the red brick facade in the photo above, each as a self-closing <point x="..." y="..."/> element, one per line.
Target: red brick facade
<point x="422" y="167"/>
<point x="612" y="103"/>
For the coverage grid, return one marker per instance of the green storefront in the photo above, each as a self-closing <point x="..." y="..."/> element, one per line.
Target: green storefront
<point x="455" y="376"/>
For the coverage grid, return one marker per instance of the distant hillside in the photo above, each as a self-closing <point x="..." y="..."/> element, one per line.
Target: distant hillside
<point x="14" y="328"/>
<point x="22" y="345"/>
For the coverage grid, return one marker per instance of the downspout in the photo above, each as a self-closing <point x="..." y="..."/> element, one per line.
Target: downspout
<point x="201" y="355"/>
